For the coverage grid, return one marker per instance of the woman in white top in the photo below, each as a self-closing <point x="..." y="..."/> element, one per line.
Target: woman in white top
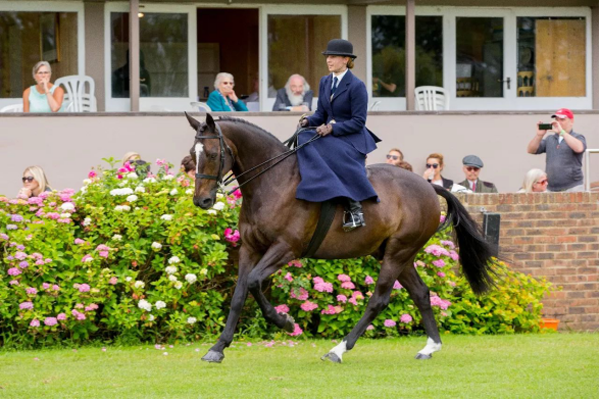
<point x="44" y="96"/>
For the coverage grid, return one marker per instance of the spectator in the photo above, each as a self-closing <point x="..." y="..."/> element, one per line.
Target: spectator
<point x="120" y="79"/>
<point x="433" y="173"/>
<point x="223" y="98"/>
<point x="135" y="160"/>
<point x="405" y="165"/>
<point x="34" y="182"/>
<point x="188" y="166"/>
<point x="131" y="156"/>
<point x="295" y="96"/>
<point x="564" y="153"/>
<point x="535" y="181"/>
<point x="44" y="96"/>
<point x="472" y="167"/>
<point x="394" y="157"/>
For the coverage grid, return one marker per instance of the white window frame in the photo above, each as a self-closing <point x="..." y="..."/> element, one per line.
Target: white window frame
<point x="153" y="103"/>
<point x="51" y="6"/>
<point x="510" y="101"/>
<point x="266" y="103"/>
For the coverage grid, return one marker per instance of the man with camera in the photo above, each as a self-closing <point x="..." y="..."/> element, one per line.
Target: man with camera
<point x="564" y="152"/>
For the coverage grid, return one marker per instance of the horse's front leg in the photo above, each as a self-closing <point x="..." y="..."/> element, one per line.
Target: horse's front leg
<point x="277" y="255"/>
<point x="247" y="260"/>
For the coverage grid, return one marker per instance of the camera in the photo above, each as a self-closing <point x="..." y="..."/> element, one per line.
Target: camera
<point x="545" y="127"/>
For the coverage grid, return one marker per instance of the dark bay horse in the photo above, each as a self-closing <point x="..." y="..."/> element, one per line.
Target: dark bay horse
<point x="276" y="228"/>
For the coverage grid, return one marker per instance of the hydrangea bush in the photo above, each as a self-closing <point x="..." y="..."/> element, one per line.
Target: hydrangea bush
<point x="129" y="258"/>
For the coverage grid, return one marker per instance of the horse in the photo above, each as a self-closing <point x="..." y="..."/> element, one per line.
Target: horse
<point x="276" y="228"/>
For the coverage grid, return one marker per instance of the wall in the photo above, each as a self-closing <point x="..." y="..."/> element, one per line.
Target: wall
<point x="552" y="235"/>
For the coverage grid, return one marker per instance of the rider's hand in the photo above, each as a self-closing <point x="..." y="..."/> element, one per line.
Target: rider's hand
<point x="324" y="130"/>
<point x="304" y="122"/>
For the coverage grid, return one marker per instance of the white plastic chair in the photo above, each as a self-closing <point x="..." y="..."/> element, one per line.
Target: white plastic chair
<point x="201" y="106"/>
<point x="13" y="108"/>
<point x="82" y="100"/>
<point x="431" y="98"/>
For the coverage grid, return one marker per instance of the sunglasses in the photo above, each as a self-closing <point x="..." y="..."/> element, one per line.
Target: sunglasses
<point x="227" y="83"/>
<point x="471" y="169"/>
<point x="434" y="166"/>
<point x="27" y="179"/>
<point x="542" y="182"/>
<point x="392" y="157"/>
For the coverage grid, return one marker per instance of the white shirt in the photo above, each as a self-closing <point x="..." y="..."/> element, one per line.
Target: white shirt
<point x="471" y="183"/>
<point x="340" y="76"/>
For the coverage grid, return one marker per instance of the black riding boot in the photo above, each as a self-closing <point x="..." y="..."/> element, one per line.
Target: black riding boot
<point x="353" y="216"/>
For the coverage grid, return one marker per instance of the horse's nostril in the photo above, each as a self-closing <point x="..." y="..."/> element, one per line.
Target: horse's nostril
<point x="207" y="202"/>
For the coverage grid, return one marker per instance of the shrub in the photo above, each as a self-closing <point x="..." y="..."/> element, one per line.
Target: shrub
<point x="129" y="258"/>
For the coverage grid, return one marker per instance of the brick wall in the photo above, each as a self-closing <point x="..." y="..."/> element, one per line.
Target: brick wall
<point x="552" y="235"/>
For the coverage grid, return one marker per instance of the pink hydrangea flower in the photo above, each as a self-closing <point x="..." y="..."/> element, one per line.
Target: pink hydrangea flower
<point x="348" y="285"/>
<point x="288" y="277"/>
<point x="358" y="295"/>
<point x="92" y="174"/>
<point x="397" y="285"/>
<point x="34" y="323"/>
<point x="341" y="298"/>
<point x="441" y="303"/>
<point x="61" y="317"/>
<point x="50" y="321"/>
<point x="389" y="323"/>
<point x="14" y="271"/>
<point x="282" y="308"/>
<point x="55" y="287"/>
<point x="26" y="305"/>
<point x="369" y="280"/>
<point x="324" y="287"/>
<point x="405" y="318"/>
<point x="447" y="243"/>
<point x="237" y="194"/>
<point x="308" y="306"/>
<point x="84" y="287"/>
<point x="343" y="278"/>
<point x="31" y="290"/>
<point x="53" y="215"/>
<point x="39" y="262"/>
<point x="300" y="294"/>
<point x="102" y="247"/>
<point x="13" y="282"/>
<point x="453" y="284"/>
<point x="46" y="286"/>
<point x="79" y="241"/>
<point x="370" y="327"/>
<point x="23" y="264"/>
<point x="454" y="255"/>
<point x="295" y="263"/>
<point x="3" y="236"/>
<point x="19" y="255"/>
<point x="318" y="279"/>
<point x="86" y="258"/>
<point x="352" y="300"/>
<point x="113" y="280"/>
<point x="332" y="310"/>
<point x="439" y="263"/>
<point x="437" y="250"/>
<point x="103" y="254"/>
<point x="297" y="331"/>
<point x="441" y="274"/>
<point x="232" y="236"/>
<point x="442" y="218"/>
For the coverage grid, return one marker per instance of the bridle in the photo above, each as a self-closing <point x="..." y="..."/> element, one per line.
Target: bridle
<point x="222" y="147"/>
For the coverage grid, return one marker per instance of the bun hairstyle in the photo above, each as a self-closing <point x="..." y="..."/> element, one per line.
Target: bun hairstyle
<point x="440" y="158"/>
<point x="350" y="64"/>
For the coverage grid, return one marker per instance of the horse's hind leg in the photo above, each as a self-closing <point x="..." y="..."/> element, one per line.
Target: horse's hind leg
<point x="419" y="293"/>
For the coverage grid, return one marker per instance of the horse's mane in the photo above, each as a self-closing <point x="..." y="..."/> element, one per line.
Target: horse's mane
<point x="256" y="128"/>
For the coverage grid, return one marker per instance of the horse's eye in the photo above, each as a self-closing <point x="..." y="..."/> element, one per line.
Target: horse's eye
<point x="213" y="156"/>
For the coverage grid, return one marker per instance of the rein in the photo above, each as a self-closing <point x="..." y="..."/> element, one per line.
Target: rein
<point x="292" y="143"/>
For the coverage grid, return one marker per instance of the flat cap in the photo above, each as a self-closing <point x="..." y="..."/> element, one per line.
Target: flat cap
<point x="472" y="161"/>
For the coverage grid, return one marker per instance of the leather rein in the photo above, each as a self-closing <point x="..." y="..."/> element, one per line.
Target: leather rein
<point x="292" y="143"/>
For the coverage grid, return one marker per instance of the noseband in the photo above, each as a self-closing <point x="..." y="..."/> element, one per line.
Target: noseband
<point x="222" y="145"/>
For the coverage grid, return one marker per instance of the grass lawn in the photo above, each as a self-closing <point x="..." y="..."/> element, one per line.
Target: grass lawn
<point x="518" y="366"/>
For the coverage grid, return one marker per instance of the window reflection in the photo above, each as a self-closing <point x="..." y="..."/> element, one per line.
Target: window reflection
<point x="163" y="55"/>
<point x="388" y="53"/>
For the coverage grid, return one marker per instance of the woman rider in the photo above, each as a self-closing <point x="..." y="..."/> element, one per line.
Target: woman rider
<point x="333" y="167"/>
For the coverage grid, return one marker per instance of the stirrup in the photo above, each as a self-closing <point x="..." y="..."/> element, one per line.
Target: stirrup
<point x="356" y="220"/>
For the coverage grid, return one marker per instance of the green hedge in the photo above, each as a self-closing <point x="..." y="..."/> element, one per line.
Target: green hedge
<point x="129" y="258"/>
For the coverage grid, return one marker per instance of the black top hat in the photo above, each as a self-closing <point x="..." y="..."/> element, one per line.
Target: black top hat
<point x="339" y="47"/>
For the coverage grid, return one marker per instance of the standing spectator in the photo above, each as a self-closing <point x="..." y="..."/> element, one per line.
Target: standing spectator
<point x="34" y="182"/>
<point x="295" y="96"/>
<point x="188" y="166"/>
<point x="394" y="157"/>
<point x="223" y="98"/>
<point x="433" y="173"/>
<point x="44" y="96"/>
<point x="536" y="181"/>
<point x="472" y="167"/>
<point x="564" y="153"/>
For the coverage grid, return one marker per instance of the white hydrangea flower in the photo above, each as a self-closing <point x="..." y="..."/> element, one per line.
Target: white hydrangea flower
<point x="219" y="206"/>
<point x="160" y="304"/>
<point x="117" y="237"/>
<point x="132" y="175"/>
<point x="132" y="198"/>
<point x="191" y="278"/>
<point x="87" y="221"/>
<point x="65" y="215"/>
<point x="174" y="260"/>
<point x="156" y="245"/>
<point x="166" y="217"/>
<point x="168" y="177"/>
<point x="189" y="191"/>
<point x="212" y="212"/>
<point x="149" y="180"/>
<point x="122" y="208"/>
<point x="171" y="270"/>
<point x="172" y="278"/>
<point x="88" y="260"/>
<point x="140" y="189"/>
<point x="83" y="189"/>
<point x="204" y="271"/>
<point x="87" y="181"/>
<point x="173" y="192"/>
<point x="121" y="192"/>
<point x="191" y="320"/>
<point x="178" y="285"/>
<point x="139" y="284"/>
<point x="150" y="317"/>
<point x="145" y="305"/>
<point x="220" y="195"/>
<point x="128" y="279"/>
<point x="67" y="206"/>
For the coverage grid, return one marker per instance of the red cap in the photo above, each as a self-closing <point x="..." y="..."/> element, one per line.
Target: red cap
<point x="563" y="113"/>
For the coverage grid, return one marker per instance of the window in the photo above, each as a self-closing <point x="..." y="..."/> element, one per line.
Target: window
<point x="28" y="37"/>
<point x="551" y="57"/>
<point x="388" y="53"/>
<point x="163" y="54"/>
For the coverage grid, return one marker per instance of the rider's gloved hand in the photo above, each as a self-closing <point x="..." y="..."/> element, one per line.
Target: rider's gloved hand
<point x="304" y="122"/>
<point x="324" y="130"/>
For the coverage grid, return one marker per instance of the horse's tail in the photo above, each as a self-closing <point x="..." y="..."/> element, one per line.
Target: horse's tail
<point x="475" y="253"/>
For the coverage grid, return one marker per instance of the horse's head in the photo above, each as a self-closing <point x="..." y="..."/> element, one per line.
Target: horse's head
<point x="213" y="160"/>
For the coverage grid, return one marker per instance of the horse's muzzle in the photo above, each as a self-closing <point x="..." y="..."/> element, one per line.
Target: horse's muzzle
<point x="203" y="202"/>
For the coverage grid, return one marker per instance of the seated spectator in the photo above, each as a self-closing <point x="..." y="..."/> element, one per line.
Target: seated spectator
<point x="472" y="167"/>
<point x="536" y="181"/>
<point x="44" y="96"/>
<point x="188" y="166"/>
<point x="394" y="157"/>
<point x="223" y="98"/>
<point x="564" y="153"/>
<point x="405" y="165"/>
<point x="433" y="173"/>
<point x="34" y="182"/>
<point x="295" y="96"/>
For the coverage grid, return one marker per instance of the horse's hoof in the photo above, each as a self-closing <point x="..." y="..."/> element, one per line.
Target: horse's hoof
<point x="213" y="356"/>
<point x="290" y="324"/>
<point x="332" y="357"/>
<point x="421" y="356"/>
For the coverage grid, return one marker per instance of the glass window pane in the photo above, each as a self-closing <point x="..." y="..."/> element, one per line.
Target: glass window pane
<point x="479" y="57"/>
<point x="28" y="37"/>
<point x="388" y="62"/>
<point x="308" y="35"/>
<point x="550" y="57"/>
<point x="163" y="55"/>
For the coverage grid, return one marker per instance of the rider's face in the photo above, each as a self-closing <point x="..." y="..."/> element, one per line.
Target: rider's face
<point x="337" y="64"/>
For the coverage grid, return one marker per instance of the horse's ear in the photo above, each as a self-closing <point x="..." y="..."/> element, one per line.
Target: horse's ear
<point x="210" y="122"/>
<point x="194" y="123"/>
